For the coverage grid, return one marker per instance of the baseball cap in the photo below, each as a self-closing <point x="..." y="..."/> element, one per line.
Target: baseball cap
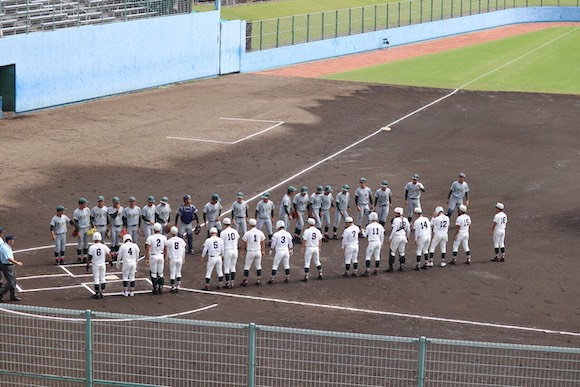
<point x="348" y="219"/>
<point x="10" y="237"/>
<point x="311" y="221"/>
<point x="463" y="208"/>
<point x="362" y="180"/>
<point x="418" y="210"/>
<point x="101" y="198"/>
<point x="164" y="199"/>
<point x="415" y="176"/>
<point x="173" y="230"/>
<point x="83" y="200"/>
<point x="1" y="229"/>
<point x="265" y="195"/>
<point x="116" y="199"/>
<point x="252" y="222"/>
<point x="328" y="189"/>
<point x="304" y="189"/>
<point x="215" y="197"/>
<point x="240" y="195"/>
<point x="399" y="210"/>
<point x="291" y="189"/>
<point x="373" y="216"/>
<point x="462" y="174"/>
<point x="132" y="199"/>
<point x="126" y="237"/>
<point x="384" y="183"/>
<point x="187" y="196"/>
<point x="97" y="236"/>
<point x="438" y="209"/>
<point x="280" y="224"/>
<point x="213" y="230"/>
<point x="346" y="187"/>
<point x="157" y="227"/>
<point x="319" y="188"/>
<point x="60" y="207"/>
<point x="151" y="199"/>
<point x="499" y="205"/>
<point x="227" y="221"/>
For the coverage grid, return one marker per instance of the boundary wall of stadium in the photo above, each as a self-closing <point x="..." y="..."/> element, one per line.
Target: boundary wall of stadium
<point x="47" y="346"/>
<point x="75" y="64"/>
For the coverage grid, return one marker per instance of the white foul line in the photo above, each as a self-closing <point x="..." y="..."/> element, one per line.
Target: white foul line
<point x="277" y="123"/>
<point x="384" y="313"/>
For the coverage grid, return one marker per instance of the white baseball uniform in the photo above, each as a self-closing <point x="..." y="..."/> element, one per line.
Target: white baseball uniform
<point x="422" y="230"/>
<point x="350" y="244"/>
<point x="176" y="256"/>
<point x="231" y="238"/>
<point x="463" y="222"/>
<point x="281" y="244"/>
<point x="128" y="257"/>
<point x="440" y="226"/>
<point x="312" y="239"/>
<point x="157" y="244"/>
<point x="253" y="238"/>
<point x="214" y="248"/>
<point x="375" y="234"/>
<point x="98" y="255"/>
<point x="500" y="219"/>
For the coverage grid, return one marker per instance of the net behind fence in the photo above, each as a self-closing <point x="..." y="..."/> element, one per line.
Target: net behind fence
<point x="49" y="347"/>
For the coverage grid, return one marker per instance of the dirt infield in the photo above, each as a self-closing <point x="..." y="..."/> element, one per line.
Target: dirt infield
<point x="518" y="148"/>
<point x="353" y="62"/>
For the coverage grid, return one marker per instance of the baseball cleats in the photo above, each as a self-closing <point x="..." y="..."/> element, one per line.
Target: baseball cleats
<point x="502" y="259"/>
<point x="354" y="274"/>
<point x="125" y="293"/>
<point x="287" y="280"/>
<point x="376" y="272"/>
<point x="402" y="268"/>
<point x="132" y="293"/>
<point x="206" y="287"/>
<point x="389" y="270"/>
<point x="430" y="264"/>
<point x="258" y="282"/>
<point x="305" y="279"/>
<point x="270" y="281"/>
<point x="417" y="267"/>
<point x="365" y="274"/>
<point x="320" y="276"/>
<point x="96" y="296"/>
<point x="453" y="261"/>
<point x="345" y="275"/>
<point x="495" y="259"/>
<point x="79" y="260"/>
<point x="425" y="266"/>
<point x="443" y="264"/>
<point x="227" y="286"/>
<point x="218" y="287"/>
<point x="244" y="282"/>
<point x="325" y="238"/>
<point x="335" y="237"/>
<point x="468" y="262"/>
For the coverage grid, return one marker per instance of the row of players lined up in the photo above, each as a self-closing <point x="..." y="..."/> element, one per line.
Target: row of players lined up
<point x="110" y="221"/>
<point x="222" y="249"/>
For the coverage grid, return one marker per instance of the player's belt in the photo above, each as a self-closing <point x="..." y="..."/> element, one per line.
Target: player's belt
<point x="215" y="256"/>
<point x="240" y="217"/>
<point x="117" y="225"/>
<point x="101" y="225"/>
<point x="132" y="225"/>
<point x="8" y="264"/>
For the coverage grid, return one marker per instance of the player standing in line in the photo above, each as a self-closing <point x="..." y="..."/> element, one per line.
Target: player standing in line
<point x="100" y="217"/>
<point x="99" y="254"/>
<point x="265" y="213"/>
<point x="116" y="225"/>
<point x="301" y="206"/>
<point x="187" y="213"/>
<point x="315" y="205"/>
<point x="211" y="213"/>
<point x="132" y="219"/>
<point x="148" y="216"/>
<point x="253" y="244"/>
<point x="240" y="213"/>
<point x="463" y="224"/>
<point x="459" y="190"/>
<point x="362" y="199"/>
<point x="326" y="203"/>
<point x="285" y="213"/>
<point x="163" y="214"/>
<point x="342" y="206"/>
<point x="82" y="221"/>
<point x="422" y="230"/>
<point x="176" y="256"/>
<point x="155" y="252"/>
<point x="375" y="232"/>
<point x="311" y="249"/>
<point x="383" y="202"/>
<point x="231" y="238"/>
<point x="440" y="224"/>
<point x="498" y="231"/>
<point x="58" y="233"/>
<point x="282" y="246"/>
<point x="399" y="237"/>
<point x="127" y="259"/>
<point x="350" y="246"/>
<point x="413" y="191"/>
<point x="214" y="248"/>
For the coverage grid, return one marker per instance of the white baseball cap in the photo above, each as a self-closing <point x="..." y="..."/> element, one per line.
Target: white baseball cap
<point x="227" y="221"/>
<point x="280" y="224"/>
<point x="97" y="236"/>
<point x="126" y="237"/>
<point x="157" y="227"/>
<point x="252" y="222"/>
<point x="499" y="205"/>
<point x="173" y="230"/>
<point x="213" y="230"/>
<point x="373" y="216"/>
<point x="438" y="209"/>
<point x="463" y="208"/>
<point x="418" y="210"/>
<point x="398" y="210"/>
<point x="348" y="219"/>
<point x="311" y="221"/>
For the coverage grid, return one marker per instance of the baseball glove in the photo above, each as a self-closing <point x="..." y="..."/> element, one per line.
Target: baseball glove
<point x="197" y="230"/>
<point x="91" y="231"/>
<point x="75" y="233"/>
<point x="123" y="233"/>
<point x="167" y="228"/>
<point x="294" y="214"/>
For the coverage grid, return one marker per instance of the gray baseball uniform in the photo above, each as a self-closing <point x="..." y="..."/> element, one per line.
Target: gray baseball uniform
<point x="116" y="222"/>
<point x="240" y="213"/>
<point x="285" y="210"/>
<point x="457" y="193"/>
<point x="264" y="213"/>
<point x="342" y="200"/>
<point x="315" y="205"/>
<point x="58" y="226"/>
<point x="362" y="198"/>
<point x="148" y="216"/>
<point x="301" y="203"/>
<point x="100" y="219"/>
<point x="326" y="202"/>
<point x="132" y="220"/>
<point x="382" y="203"/>
<point x="413" y="196"/>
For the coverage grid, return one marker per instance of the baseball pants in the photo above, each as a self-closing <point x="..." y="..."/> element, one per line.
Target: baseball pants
<point x="453" y="202"/>
<point x="10" y="276"/>
<point x="283" y="216"/>
<point x="267" y="222"/>
<point x="300" y="220"/>
<point x="338" y="217"/>
<point x="134" y="232"/>
<point x="351" y="254"/>
<point x="316" y="215"/>
<point x="241" y="226"/>
<point x="423" y="244"/>
<point x="254" y="256"/>
<point x="230" y="260"/>
<point x="129" y="269"/>
<point x="60" y="243"/>
<point x="156" y="266"/>
<point x="214" y="223"/>
<point x="103" y="230"/>
<point x="83" y="239"/>
<point x="383" y="212"/>
<point x="364" y="212"/>
<point x="115" y="238"/>
<point x="373" y="250"/>
<point x="463" y="240"/>
<point x="411" y="205"/>
<point x="214" y="261"/>
<point x="398" y="243"/>
<point x="499" y="239"/>
<point x="99" y="273"/>
<point x="324" y="218"/>
<point x="311" y="253"/>
<point x="147" y="230"/>
<point x="187" y="229"/>
<point x="281" y="256"/>
<point x="175" y="268"/>
<point x="441" y="240"/>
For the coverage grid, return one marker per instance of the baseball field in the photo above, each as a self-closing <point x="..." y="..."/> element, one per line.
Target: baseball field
<point x="457" y="111"/>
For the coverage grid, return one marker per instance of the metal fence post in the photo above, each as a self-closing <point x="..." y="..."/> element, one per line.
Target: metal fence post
<point x="322" y="31"/>
<point x="308" y="27"/>
<point x="399" y="17"/>
<point x="362" y="27"/>
<point x="292" y="29"/>
<point x="277" y="31"/>
<point x="336" y="24"/>
<point x="89" y="347"/>
<point x="252" y="355"/>
<point x="387" y="22"/>
<point x="421" y="365"/>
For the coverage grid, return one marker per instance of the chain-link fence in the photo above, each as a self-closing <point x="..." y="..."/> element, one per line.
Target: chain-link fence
<point x="45" y="346"/>
<point x="287" y="31"/>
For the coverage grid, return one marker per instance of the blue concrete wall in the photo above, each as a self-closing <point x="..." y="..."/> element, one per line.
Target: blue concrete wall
<point x="232" y="38"/>
<point x="284" y="56"/>
<point x="75" y="64"/>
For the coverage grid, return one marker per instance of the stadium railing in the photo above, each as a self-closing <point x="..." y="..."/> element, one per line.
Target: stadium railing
<point x="47" y="346"/>
<point x="286" y="31"/>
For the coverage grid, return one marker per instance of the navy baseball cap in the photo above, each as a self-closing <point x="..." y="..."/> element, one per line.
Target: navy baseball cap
<point x="10" y="237"/>
<point x="1" y="229"/>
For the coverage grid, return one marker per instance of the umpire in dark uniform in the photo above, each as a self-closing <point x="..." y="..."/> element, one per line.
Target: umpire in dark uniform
<point x="7" y="263"/>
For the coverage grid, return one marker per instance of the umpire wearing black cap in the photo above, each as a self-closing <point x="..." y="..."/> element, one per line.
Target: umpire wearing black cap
<point x="7" y="263"/>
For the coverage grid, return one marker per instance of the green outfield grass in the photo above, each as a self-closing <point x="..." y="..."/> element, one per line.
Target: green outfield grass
<point x="554" y="67"/>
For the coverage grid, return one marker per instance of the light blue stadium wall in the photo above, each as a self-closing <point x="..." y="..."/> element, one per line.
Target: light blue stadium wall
<point x="284" y="56"/>
<point x="75" y="64"/>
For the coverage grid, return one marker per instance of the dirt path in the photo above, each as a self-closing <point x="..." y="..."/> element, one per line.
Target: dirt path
<point x="352" y="62"/>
